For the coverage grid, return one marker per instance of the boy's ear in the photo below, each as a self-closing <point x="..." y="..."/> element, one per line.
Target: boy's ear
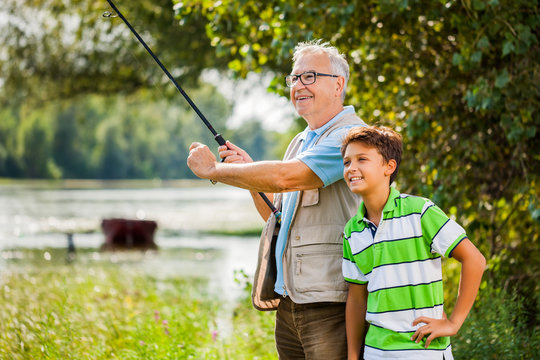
<point x="390" y="167"/>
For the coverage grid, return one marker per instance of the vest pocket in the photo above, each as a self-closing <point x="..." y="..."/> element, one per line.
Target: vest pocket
<point x="320" y="235"/>
<point x="319" y="271"/>
<point x="310" y="197"/>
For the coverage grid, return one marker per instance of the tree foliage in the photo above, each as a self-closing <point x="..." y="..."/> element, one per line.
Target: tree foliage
<point x="459" y="79"/>
<point x="81" y="98"/>
<point x="117" y="136"/>
<point x="54" y="49"/>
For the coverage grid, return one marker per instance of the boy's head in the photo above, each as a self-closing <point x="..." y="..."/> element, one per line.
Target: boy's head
<point x="385" y="141"/>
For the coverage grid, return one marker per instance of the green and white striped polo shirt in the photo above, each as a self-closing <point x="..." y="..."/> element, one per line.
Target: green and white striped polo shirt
<point x="400" y="261"/>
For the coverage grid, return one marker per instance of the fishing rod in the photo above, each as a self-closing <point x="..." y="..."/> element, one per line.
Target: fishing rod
<point x="217" y="136"/>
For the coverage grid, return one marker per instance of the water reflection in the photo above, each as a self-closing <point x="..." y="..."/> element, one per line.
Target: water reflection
<point x="35" y="218"/>
<point x="34" y="210"/>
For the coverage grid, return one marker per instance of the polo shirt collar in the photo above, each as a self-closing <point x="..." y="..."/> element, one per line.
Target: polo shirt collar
<point x="346" y="110"/>
<point x="389" y="206"/>
<point x="391" y="203"/>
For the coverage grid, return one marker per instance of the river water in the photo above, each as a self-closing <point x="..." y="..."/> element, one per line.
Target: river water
<point x="35" y="217"/>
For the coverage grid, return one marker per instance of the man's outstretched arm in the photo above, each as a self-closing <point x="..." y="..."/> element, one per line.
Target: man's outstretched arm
<point x="263" y="176"/>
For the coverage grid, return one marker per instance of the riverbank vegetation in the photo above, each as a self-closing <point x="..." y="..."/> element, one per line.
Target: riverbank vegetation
<point x="111" y="310"/>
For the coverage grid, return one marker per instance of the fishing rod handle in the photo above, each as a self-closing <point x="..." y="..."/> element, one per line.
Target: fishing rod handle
<point x="221" y="141"/>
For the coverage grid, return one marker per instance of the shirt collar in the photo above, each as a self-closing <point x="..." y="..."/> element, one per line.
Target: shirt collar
<point x="389" y="206"/>
<point x="346" y="110"/>
<point x="391" y="203"/>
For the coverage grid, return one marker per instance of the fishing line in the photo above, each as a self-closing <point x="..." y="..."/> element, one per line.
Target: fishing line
<point x="219" y="139"/>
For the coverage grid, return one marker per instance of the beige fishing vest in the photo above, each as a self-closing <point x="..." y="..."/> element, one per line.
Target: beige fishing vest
<point x="314" y="250"/>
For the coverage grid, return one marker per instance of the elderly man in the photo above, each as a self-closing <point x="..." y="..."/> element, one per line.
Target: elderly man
<point x="299" y="267"/>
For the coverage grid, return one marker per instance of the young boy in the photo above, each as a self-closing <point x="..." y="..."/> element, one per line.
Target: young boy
<point x="392" y="259"/>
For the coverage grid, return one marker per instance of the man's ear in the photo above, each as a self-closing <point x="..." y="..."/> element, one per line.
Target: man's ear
<point x="390" y="167"/>
<point x="340" y="86"/>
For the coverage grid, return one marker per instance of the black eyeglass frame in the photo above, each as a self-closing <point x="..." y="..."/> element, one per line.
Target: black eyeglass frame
<point x="297" y="77"/>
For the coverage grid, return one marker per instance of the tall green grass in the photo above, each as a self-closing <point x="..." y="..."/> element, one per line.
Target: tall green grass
<point x="105" y="310"/>
<point x="108" y="312"/>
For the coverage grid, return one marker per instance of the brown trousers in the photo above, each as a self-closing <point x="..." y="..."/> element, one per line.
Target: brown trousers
<point x="313" y="331"/>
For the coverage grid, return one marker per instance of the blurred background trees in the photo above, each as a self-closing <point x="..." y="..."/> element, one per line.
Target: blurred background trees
<point x="81" y="98"/>
<point x="458" y="79"/>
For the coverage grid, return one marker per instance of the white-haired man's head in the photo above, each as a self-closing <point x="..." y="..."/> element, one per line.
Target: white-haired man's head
<point x="338" y="63"/>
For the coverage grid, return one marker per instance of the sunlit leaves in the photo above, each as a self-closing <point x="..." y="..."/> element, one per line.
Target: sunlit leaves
<point x="460" y="79"/>
<point x="55" y="49"/>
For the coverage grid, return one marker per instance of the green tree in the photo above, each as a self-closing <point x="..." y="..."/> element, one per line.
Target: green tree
<point x="459" y="79"/>
<point x="8" y="142"/>
<point x="55" y="54"/>
<point x="54" y="49"/>
<point x="66" y="150"/>
<point x="34" y="143"/>
<point x="112" y="137"/>
<point x="251" y="137"/>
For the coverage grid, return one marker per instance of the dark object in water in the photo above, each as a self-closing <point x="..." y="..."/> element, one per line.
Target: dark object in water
<point x="70" y="255"/>
<point x="123" y="234"/>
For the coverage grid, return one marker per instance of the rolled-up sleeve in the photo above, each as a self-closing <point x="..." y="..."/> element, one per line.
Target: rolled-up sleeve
<point x="325" y="159"/>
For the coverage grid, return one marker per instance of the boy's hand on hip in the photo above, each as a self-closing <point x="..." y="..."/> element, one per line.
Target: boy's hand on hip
<point x="434" y="328"/>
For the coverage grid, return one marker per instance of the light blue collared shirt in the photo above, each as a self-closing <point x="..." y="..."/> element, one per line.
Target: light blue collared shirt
<point x="325" y="160"/>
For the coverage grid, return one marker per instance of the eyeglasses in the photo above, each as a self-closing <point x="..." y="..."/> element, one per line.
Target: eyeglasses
<point x="307" y="78"/>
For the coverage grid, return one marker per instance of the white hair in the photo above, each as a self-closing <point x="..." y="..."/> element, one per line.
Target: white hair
<point x="338" y="62"/>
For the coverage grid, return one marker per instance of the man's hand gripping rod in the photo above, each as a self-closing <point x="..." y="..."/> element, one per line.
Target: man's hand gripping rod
<point x="217" y="136"/>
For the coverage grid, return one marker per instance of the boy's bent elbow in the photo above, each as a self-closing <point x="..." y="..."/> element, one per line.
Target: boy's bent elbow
<point x="478" y="261"/>
<point x="479" y="258"/>
<point x="482" y="262"/>
<point x="466" y="252"/>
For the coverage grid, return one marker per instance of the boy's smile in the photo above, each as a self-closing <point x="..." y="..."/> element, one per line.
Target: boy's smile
<point x="364" y="169"/>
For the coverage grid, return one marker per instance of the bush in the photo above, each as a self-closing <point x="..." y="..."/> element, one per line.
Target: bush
<point x="498" y="328"/>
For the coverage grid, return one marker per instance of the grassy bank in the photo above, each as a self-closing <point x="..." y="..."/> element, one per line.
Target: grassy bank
<point x="256" y="231"/>
<point x="109" y="312"/>
<point x="106" y="310"/>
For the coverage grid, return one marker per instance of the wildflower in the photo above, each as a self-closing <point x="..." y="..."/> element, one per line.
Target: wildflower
<point x="214" y="335"/>
<point x="166" y="327"/>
